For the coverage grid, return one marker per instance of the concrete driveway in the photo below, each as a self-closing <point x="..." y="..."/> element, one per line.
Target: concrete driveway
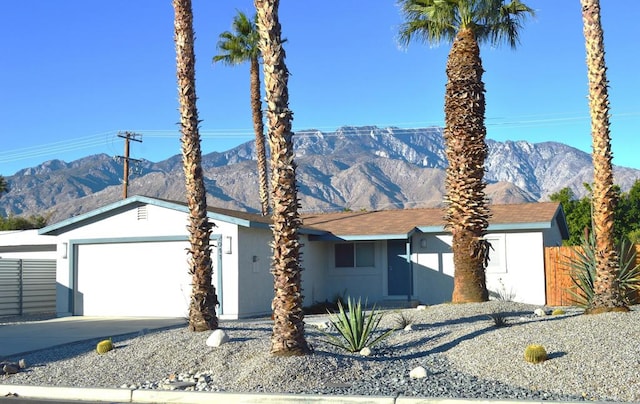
<point x="19" y="338"/>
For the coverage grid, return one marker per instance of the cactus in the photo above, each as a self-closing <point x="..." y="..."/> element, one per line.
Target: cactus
<point x="104" y="346"/>
<point x="558" y="312"/>
<point x="535" y="354"/>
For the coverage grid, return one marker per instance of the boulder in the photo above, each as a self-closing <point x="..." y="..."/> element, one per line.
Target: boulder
<point x="418" y="373"/>
<point x="217" y="338"/>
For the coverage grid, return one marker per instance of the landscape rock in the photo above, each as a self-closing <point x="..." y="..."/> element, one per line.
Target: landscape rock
<point x="539" y="312"/>
<point x="421" y="307"/>
<point x="418" y="373"/>
<point x="217" y="338"/>
<point x="11" y="368"/>
<point x="408" y="327"/>
<point x="366" y="351"/>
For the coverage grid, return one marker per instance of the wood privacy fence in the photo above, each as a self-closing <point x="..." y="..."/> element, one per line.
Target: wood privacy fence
<point x="557" y="273"/>
<point x="27" y="286"/>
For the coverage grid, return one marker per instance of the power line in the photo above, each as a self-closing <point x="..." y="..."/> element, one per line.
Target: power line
<point x="106" y="138"/>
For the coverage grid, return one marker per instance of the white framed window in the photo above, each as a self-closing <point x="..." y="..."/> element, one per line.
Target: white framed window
<point x="354" y="255"/>
<point x="497" y="254"/>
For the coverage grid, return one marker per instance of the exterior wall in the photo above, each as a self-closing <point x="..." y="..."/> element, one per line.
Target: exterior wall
<point x="315" y="263"/>
<point x="27" y="244"/>
<point x="125" y="228"/>
<point x="516" y="268"/>
<point x="255" y="281"/>
<point x="432" y="268"/>
<point x="366" y="283"/>
<point x="552" y="237"/>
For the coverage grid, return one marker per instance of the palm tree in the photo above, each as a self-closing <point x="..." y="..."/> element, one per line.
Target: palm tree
<point x="607" y="292"/>
<point x="465" y="23"/>
<point x="288" y="328"/>
<point x="237" y="47"/>
<point x="202" y="307"/>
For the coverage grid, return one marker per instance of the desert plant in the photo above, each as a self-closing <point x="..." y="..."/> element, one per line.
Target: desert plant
<point x="535" y="353"/>
<point x="583" y="272"/>
<point x="558" y="312"/>
<point x="356" y="330"/>
<point x="499" y="319"/>
<point x="104" y="346"/>
<point x="402" y="319"/>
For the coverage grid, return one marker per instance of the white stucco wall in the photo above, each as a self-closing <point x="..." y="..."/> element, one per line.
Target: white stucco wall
<point x="315" y="261"/>
<point x="516" y="268"/>
<point x="366" y="283"/>
<point x="160" y="225"/>
<point x="26" y="244"/>
<point x="255" y="281"/>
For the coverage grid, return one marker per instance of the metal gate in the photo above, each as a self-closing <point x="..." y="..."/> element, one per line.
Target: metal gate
<point x="27" y="286"/>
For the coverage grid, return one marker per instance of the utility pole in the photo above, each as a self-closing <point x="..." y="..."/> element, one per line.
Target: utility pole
<point x="127" y="136"/>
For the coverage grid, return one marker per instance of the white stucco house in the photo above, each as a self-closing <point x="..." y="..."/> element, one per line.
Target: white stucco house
<point x="129" y="258"/>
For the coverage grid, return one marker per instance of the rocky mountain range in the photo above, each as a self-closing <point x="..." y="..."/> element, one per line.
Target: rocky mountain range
<point x="351" y="168"/>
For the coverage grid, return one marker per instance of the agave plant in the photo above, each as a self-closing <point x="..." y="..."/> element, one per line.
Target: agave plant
<point x="356" y="329"/>
<point x="583" y="272"/>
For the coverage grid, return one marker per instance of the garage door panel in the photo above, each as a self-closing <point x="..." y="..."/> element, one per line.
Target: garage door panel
<point x="133" y="279"/>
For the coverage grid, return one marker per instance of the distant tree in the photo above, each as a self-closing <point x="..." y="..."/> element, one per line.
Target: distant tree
<point x="607" y="291"/>
<point x="467" y="24"/>
<point x="4" y="187"/>
<point x="202" y="307"/>
<point x="23" y="223"/>
<point x="288" y="317"/>
<point x="235" y="48"/>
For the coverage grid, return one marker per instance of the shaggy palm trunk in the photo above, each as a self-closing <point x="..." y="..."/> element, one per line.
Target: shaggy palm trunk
<point x="258" y="128"/>
<point x="288" y="328"/>
<point x="606" y="289"/>
<point x="202" y="308"/>
<point x="467" y="211"/>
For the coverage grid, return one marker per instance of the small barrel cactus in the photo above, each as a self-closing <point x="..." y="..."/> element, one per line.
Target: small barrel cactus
<point x="535" y="354"/>
<point x="104" y="346"/>
<point x="558" y="312"/>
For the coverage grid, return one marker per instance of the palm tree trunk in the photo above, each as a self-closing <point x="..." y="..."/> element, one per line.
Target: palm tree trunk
<point x="202" y="308"/>
<point x="258" y="128"/>
<point x="606" y="289"/>
<point x="467" y="211"/>
<point x="288" y="328"/>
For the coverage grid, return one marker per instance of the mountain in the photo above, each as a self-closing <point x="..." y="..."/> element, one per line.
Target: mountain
<point x="353" y="167"/>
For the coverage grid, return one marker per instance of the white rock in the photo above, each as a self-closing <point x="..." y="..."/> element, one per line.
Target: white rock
<point x="409" y="327"/>
<point x="217" y="338"/>
<point x="366" y="351"/>
<point x="539" y="312"/>
<point x="418" y="373"/>
<point x="421" y="307"/>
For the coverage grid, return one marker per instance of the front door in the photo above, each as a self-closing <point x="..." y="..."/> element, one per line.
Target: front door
<point x="398" y="268"/>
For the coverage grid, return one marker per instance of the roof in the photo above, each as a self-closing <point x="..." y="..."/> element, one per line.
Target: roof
<point x="244" y="219"/>
<point x="401" y="223"/>
<point x="363" y="225"/>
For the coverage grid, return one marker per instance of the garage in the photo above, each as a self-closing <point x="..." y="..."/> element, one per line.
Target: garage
<point x="139" y="278"/>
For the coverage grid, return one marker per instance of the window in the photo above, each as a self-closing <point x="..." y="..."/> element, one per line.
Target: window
<point x="497" y="252"/>
<point x="354" y="255"/>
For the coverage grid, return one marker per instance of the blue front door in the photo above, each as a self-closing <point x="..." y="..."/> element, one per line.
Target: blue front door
<point x="398" y="268"/>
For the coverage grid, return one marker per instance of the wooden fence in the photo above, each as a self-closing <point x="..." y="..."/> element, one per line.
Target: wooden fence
<point x="557" y="273"/>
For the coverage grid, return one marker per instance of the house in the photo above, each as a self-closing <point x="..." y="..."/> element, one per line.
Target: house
<point x="129" y="258"/>
<point x="405" y="255"/>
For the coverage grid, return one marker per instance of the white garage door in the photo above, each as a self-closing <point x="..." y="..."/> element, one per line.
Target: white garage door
<point x="142" y="279"/>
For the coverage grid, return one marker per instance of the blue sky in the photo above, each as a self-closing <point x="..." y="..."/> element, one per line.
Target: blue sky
<point x="76" y="72"/>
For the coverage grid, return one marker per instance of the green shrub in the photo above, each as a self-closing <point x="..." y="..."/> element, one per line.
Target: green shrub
<point x="535" y="354"/>
<point x="499" y="319"/>
<point x="583" y="273"/>
<point x="402" y="319"/>
<point x="356" y="330"/>
<point x="558" y="312"/>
